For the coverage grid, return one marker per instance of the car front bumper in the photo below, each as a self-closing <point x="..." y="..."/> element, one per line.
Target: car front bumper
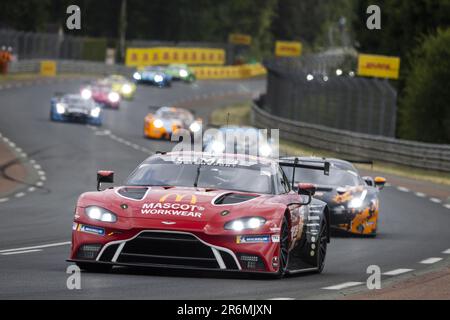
<point x="174" y="249"/>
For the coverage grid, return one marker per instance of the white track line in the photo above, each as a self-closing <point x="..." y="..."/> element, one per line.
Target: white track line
<point x="397" y="272"/>
<point x="343" y="285"/>
<point x="281" y="299"/>
<point x="58" y="244"/>
<point x="430" y="260"/>
<point x="3" y="200"/>
<point x="446" y="251"/>
<point x="20" y="252"/>
<point x="420" y="194"/>
<point x="435" y="200"/>
<point x="447" y="206"/>
<point x="402" y="189"/>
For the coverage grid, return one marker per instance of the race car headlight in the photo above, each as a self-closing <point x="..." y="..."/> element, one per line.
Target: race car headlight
<point x="245" y="224"/>
<point x="218" y="147"/>
<point x="126" y="89"/>
<point x="183" y="73"/>
<point x="95" y="113"/>
<point x="86" y="94"/>
<point x="137" y="76"/>
<point x="100" y="214"/>
<point x="158" y="124"/>
<point x="265" y="150"/>
<point x="195" y="127"/>
<point x="158" y="78"/>
<point x="113" y="97"/>
<point x="357" y="202"/>
<point x="60" y="108"/>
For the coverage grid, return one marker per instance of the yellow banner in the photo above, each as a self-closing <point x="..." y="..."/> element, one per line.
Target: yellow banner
<point x="141" y="57"/>
<point x="48" y="68"/>
<point x="229" y="72"/>
<point x="288" y="49"/>
<point x="378" y="66"/>
<point x="238" y="38"/>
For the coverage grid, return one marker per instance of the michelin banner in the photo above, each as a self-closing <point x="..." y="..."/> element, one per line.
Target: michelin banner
<point x="230" y="72"/>
<point x="142" y="57"/>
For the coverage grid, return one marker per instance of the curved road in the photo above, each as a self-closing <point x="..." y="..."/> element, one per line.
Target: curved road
<point x="412" y="228"/>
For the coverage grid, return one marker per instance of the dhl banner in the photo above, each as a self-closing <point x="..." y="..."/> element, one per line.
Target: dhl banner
<point x="229" y="72"/>
<point x="48" y="68"/>
<point x="288" y="49"/>
<point x="142" y="57"/>
<point x="378" y="66"/>
<point x="242" y="39"/>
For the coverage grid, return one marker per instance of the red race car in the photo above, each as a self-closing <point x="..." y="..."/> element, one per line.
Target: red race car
<point x="198" y="211"/>
<point x="101" y="92"/>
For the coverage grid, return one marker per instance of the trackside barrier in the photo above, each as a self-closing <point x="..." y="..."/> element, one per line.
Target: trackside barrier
<point x="230" y="72"/>
<point x="360" y="146"/>
<point x="69" y="66"/>
<point x="89" y="67"/>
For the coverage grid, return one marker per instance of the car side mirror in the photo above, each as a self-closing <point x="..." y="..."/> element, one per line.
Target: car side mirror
<point x="369" y="181"/>
<point x="380" y="182"/>
<point x="306" y="189"/>
<point x="104" y="177"/>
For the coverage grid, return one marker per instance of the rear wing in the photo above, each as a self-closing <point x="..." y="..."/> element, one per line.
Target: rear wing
<point x="312" y="165"/>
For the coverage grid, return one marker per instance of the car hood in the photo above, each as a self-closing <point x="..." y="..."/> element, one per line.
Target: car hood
<point x="181" y="204"/>
<point x="333" y="198"/>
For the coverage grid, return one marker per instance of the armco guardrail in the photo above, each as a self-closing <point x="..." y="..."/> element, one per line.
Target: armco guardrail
<point x="70" y="66"/>
<point x="359" y="145"/>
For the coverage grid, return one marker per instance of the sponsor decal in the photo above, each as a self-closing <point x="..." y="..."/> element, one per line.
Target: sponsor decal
<point x="224" y="213"/>
<point x="253" y="239"/>
<point x="172" y="209"/>
<point x="275" y="238"/>
<point x="91" y="229"/>
<point x="178" y="198"/>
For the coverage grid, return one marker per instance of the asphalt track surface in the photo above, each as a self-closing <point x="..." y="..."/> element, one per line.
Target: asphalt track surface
<point x="412" y="228"/>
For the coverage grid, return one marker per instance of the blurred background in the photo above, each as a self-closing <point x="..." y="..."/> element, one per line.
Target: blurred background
<point x="332" y="33"/>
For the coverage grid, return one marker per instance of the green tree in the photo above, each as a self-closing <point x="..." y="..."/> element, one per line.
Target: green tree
<point x="424" y="109"/>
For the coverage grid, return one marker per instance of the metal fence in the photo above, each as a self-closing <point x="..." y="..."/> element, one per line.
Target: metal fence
<point x="36" y="45"/>
<point x="72" y="67"/>
<point x="29" y="45"/>
<point x="359" y="145"/>
<point x="310" y="92"/>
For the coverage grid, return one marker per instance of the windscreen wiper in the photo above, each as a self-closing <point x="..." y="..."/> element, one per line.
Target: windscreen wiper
<point x="197" y="176"/>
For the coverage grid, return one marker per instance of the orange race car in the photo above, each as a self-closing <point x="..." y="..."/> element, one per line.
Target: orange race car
<point x="167" y="120"/>
<point x="353" y="200"/>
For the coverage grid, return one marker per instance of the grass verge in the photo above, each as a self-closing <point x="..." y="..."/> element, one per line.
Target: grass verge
<point x="240" y="114"/>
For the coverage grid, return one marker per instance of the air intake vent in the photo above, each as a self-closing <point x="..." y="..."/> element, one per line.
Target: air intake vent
<point x="231" y="198"/>
<point x="133" y="193"/>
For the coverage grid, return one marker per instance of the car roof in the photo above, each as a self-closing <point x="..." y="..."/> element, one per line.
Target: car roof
<point x="173" y="110"/>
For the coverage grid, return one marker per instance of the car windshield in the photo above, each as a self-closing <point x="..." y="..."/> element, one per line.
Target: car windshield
<point x="255" y="178"/>
<point x="337" y="177"/>
<point x="78" y="102"/>
<point x="167" y="114"/>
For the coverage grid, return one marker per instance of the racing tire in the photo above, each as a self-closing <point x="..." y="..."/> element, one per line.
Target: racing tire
<point x="95" y="268"/>
<point x="322" y="244"/>
<point x="283" y="249"/>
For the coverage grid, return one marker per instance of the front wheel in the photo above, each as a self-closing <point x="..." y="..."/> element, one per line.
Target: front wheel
<point x="322" y="244"/>
<point x="284" y="248"/>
